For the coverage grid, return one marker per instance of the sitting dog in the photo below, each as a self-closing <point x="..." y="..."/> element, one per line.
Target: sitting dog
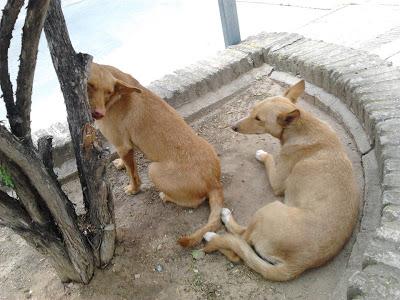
<point x="315" y="176"/>
<point x="184" y="168"/>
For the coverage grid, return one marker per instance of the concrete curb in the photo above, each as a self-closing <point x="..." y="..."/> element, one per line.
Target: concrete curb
<point x="370" y="88"/>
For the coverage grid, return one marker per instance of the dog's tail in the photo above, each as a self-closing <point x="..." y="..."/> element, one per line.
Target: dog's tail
<point x="273" y="272"/>
<point x="216" y="202"/>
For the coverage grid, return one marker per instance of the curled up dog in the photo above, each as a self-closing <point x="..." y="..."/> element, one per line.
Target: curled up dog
<point x="321" y="198"/>
<point x="184" y="168"/>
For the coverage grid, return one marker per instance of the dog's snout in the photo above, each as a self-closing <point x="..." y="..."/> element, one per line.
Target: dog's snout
<point x="235" y="127"/>
<point x="97" y="114"/>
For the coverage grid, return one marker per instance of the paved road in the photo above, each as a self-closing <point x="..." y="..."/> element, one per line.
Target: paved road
<point x="152" y="38"/>
<point x="371" y="25"/>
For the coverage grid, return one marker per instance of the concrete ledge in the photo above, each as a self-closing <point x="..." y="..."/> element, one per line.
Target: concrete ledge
<point x="368" y="88"/>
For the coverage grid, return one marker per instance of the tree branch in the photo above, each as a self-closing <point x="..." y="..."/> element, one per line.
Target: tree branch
<point x="72" y="70"/>
<point x="33" y="26"/>
<point x="13" y="215"/>
<point x="54" y="198"/>
<point x="28" y="196"/>
<point x="10" y="15"/>
<point x="45" y="151"/>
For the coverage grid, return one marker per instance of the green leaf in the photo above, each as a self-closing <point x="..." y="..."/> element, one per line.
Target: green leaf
<point x="5" y="178"/>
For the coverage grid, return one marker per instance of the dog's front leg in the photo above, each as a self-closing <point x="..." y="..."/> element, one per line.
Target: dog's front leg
<point x="130" y="164"/>
<point x="276" y="176"/>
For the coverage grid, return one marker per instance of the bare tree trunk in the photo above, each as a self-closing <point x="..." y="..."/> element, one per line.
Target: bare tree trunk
<point x="42" y="214"/>
<point x="10" y="15"/>
<point x="19" y="111"/>
<point x="26" y="162"/>
<point x="35" y="16"/>
<point x="45" y="151"/>
<point x="72" y="70"/>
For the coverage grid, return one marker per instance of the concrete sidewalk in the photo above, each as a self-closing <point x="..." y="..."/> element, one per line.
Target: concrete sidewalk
<point x="152" y="38"/>
<point x="370" y="25"/>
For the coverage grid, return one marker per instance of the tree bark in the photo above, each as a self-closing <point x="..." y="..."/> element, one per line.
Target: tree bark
<point x="34" y="20"/>
<point x="58" y="204"/>
<point x="42" y="214"/>
<point x="14" y="216"/>
<point x="27" y="194"/>
<point x="10" y="15"/>
<point x="19" y="111"/>
<point x="72" y="70"/>
<point x="45" y="151"/>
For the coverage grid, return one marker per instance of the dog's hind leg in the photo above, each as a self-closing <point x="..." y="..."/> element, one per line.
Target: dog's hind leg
<point x="216" y="201"/>
<point x="231" y="225"/>
<point x="185" y="188"/>
<point x="278" y="272"/>
<point x="190" y="204"/>
<point x="211" y="247"/>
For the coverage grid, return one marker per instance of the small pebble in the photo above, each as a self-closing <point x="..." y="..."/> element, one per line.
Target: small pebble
<point x="159" y="247"/>
<point x="159" y="268"/>
<point x="28" y="294"/>
<point x="195" y="271"/>
<point x="137" y="276"/>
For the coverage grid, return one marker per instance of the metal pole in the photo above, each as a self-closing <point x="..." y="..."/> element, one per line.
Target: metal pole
<point x="230" y="22"/>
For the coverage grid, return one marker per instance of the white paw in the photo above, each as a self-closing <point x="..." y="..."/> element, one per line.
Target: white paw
<point x="208" y="236"/>
<point x="261" y="155"/>
<point x="119" y="164"/>
<point x="225" y="215"/>
<point x="162" y="196"/>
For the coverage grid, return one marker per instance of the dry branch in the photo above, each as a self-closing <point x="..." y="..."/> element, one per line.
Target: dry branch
<point x="27" y="194"/>
<point x="54" y="198"/>
<point x="34" y="20"/>
<point x="14" y="216"/>
<point x="72" y="70"/>
<point x="8" y="19"/>
<point x="45" y="151"/>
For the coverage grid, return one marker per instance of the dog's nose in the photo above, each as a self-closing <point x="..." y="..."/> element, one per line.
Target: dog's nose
<point x="235" y="127"/>
<point x="97" y="115"/>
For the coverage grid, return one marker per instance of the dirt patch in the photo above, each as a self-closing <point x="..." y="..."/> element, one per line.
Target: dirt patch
<point x="148" y="263"/>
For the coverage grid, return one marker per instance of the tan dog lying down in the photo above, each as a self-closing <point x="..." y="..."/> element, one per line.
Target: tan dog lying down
<point x="320" y="208"/>
<point x="185" y="168"/>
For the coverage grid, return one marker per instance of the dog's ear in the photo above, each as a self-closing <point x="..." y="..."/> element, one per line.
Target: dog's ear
<point x="295" y="91"/>
<point x="285" y="119"/>
<point x="123" y="88"/>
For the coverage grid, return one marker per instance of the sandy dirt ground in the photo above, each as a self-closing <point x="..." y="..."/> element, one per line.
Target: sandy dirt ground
<point x="148" y="263"/>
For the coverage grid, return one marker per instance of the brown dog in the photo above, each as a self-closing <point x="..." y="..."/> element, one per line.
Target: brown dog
<point x="185" y="168"/>
<point x="321" y="201"/>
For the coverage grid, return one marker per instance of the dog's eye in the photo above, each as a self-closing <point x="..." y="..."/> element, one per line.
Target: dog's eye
<point x="257" y="118"/>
